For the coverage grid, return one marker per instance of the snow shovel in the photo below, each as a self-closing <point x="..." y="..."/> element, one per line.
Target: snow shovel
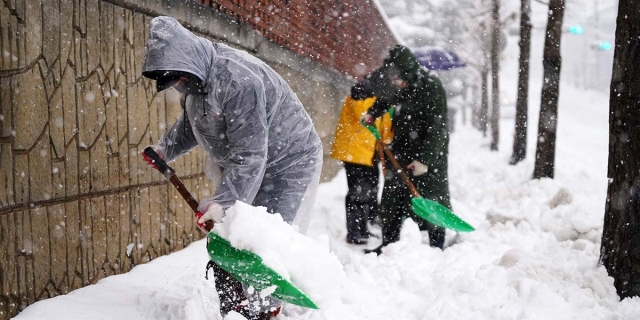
<point x="426" y="209"/>
<point x="244" y="265"/>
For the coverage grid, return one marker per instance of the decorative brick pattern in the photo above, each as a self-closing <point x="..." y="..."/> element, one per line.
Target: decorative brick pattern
<point x="347" y="35"/>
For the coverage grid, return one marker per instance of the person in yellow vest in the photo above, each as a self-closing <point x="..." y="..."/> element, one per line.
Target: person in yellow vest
<point x="355" y="146"/>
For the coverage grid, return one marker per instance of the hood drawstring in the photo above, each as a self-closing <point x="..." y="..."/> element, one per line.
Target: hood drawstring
<point x="204" y="108"/>
<point x="183" y="104"/>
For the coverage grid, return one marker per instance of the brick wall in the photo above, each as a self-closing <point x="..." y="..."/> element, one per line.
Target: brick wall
<point x="77" y="204"/>
<point x="340" y="34"/>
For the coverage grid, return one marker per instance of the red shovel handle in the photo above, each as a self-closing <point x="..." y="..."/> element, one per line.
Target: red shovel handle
<point x="169" y="173"/>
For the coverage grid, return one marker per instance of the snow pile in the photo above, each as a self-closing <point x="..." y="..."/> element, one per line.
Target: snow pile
<point x="531" y="261"/>
<point x="170" y="287"/>
<point x="305" y="262"/>
<point x="534" y="254"/>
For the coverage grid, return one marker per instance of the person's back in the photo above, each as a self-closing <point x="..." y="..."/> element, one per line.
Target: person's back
<point x="421" y="129"/>
<point x="353" y="142"/>
<point x="284" y="111"/>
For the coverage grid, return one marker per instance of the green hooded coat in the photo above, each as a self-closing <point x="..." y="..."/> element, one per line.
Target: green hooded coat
<point x="420" y="133"/>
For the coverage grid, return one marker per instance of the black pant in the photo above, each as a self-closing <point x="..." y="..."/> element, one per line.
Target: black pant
<point x="361" y="201"/>
<point x="232" y="295"/>
<point x="396" y="206"/>
<point x="229" y="290"/>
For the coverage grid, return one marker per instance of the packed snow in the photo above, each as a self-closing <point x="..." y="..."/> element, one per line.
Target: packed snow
<point x="534" y="254"/>
<point x="306" y="262"/>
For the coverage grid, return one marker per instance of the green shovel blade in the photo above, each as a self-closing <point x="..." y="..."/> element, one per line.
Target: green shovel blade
<point x="429" y="209"/>
<point x="439" y="215"/>
<point x="249" y="269"/>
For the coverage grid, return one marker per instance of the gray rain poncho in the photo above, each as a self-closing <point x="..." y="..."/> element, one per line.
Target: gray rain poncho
<point x="253" y="128"/>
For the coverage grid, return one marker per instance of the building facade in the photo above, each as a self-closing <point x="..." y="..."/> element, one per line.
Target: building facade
<point x="77" y="204"/>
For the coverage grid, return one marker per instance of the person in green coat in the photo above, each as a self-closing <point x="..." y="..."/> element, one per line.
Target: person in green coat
<point x="420" y="144"/>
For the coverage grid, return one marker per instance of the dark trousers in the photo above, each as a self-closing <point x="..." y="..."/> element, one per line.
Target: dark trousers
<point x="229" y="290"/>
<point x="361" y="201"/>
<point x="396" y="206"/>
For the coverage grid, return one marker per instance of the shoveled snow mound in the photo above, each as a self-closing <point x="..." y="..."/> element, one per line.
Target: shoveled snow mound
<point x="305" y="262"/>
<point x="528" y="259"/>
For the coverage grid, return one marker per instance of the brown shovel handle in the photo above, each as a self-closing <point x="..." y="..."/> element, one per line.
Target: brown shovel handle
<point x="169" y="173"/>
<point x="404" y="176"/>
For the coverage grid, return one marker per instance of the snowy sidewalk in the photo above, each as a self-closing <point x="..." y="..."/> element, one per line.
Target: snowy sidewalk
<point x="534" y="255"/>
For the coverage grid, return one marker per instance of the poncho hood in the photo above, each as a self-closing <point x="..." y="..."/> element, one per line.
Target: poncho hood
<point x="171" y="47"/>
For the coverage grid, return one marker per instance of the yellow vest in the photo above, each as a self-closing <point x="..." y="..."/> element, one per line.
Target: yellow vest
<point x="353" y="143"/>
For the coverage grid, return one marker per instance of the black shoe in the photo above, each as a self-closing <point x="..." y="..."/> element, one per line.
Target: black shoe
<point x="377" y="250"/>
<point x="357" y="240"/>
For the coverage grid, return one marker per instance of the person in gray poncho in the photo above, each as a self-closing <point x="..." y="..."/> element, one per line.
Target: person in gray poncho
<point x="260" y="143"/>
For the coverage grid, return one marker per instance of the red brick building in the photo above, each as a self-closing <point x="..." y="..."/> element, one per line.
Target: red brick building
<point x="349" y="36"/>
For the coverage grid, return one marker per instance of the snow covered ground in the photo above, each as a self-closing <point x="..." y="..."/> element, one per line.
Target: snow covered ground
<point x="534" y="254"/>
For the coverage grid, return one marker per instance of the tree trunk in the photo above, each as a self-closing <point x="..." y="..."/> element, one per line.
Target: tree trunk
<point x="520" y="136"/>
<point x="547" y="124"/>
<point x="620" y="249"/>
<point x="495" y="72"/>
<point x="484" y="103"/>
<point x="465" y="102"/>
<point x="475" y="107"/>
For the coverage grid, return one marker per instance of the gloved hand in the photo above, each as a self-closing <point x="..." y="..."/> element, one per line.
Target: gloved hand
<point x="214" y="212"/>
<point x="159" y="150"/>
<point x="202" y="225"/>
<point x="367" y="119"/>
<point x="417" y="168"/>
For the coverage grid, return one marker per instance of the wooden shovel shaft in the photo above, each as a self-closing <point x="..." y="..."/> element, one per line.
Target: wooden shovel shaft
<point x="193" y="203"/>
<point x="169" y="173"/>
<point x="399" y="169"/>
